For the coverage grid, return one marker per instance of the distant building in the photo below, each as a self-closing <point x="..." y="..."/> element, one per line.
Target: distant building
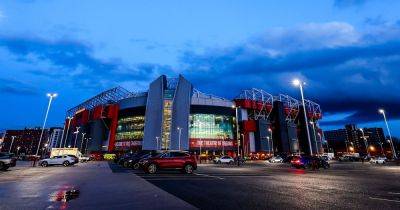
<point x="55" y="137"/>
<point x="351" y="139"/>
<point x="24" y="141"/>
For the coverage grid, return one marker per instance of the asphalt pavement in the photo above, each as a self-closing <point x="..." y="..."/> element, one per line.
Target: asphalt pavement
<point x="101" y="186"/>
<point x="277" y="186"/>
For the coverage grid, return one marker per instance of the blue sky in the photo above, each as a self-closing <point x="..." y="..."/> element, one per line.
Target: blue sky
<point x="348" y="52"/>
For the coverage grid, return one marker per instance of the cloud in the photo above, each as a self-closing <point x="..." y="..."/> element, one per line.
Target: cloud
<point x="74" y="62"/>
<point x="14" y="87"/>
<point x="347" y="71"/>
<point x="349" y="3"/>
<point x="357" y="74"/>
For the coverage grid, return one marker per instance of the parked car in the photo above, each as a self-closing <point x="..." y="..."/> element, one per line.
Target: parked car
<point x="170" y="160"/>
<point x="143" y="159"/>
<point x="348" y="158"/>
<point x="64" y="160"/>
<point x="124" y="160"/>
<point x="224" y="159"/>
<point x="96" y="156"/>
<point x="309" y="162"/>
<point x="76" y="159"/>
<point x="378" y="160"/>
<point x="109" y="156"/>
<point x="84" y="159"/>
<point x="7" y="160"/>
<point x="276" y="159"/>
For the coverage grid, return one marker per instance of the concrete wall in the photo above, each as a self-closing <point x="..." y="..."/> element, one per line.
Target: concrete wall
<point x="154" y="114"/>
<point x="180" y="114"/>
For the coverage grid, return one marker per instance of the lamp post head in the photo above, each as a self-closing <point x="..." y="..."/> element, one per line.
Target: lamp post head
<point x="296" y="82"/>
<point x="382" y="111"/>
<point x="52" y="95"/>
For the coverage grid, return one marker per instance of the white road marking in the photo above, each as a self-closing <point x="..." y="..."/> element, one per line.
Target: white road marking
<point x="384" y="199"/>
<point x="206" y="175"/>
<point x="394" y="193"/>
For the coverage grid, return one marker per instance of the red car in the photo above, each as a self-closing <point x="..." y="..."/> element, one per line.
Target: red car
<point x="96" y="156"/>
<point x="170" y="160"/>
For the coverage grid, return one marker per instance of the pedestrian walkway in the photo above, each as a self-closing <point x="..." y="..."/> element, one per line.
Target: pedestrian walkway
<point x="99" y="188"/>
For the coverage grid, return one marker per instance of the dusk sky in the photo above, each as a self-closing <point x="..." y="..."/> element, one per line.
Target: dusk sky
<point x="348" y="52"/>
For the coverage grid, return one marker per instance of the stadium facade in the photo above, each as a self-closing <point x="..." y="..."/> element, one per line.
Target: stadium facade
<point x="173" y="115"/>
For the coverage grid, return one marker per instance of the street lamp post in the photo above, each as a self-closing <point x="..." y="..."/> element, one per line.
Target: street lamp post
<point x="382" y="111"/>
<point x="76" y="135"/>
<point x="66" y="135"/>
<point x="297" y="82"/>
<point x="365" y="141"/>
<point x="272" y="141"/>
<point x="179" y="138"/>
<point x="315" y="136"/>
<point x="157" y="146"/>
<point x="51" y="96"/>
<point x="83" y="138"/>
<point x="237" y="133"/>
<point x="269" y="146"/>
<point x="86" y="147"/>
<point x="12" y="142"/>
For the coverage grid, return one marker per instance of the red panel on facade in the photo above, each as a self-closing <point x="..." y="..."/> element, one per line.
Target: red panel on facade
<point x="286" y="110"/>
<point x="97" y="112"/>
<point x="85" y="117"/>
<point x="249" y="126"/>
<point x="243" y="103"/>
<point x="113" y="115"/>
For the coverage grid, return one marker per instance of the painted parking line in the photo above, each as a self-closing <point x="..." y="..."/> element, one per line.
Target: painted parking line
<point x="384" y="199"/>
<point x="206" y="175"/>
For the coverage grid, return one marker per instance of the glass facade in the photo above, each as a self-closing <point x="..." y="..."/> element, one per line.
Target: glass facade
<point x="167" y="118"/>
<point x="130" y="131"/>
<point x="210" y="126"/>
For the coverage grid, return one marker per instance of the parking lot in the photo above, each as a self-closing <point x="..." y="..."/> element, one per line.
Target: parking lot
<point x="260" y="186"/>
<point x="255" y="185"/>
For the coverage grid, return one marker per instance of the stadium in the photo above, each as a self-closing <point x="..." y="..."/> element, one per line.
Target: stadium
<point x="173" y="115"/>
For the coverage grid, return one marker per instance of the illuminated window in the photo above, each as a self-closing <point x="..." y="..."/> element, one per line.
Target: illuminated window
<point x="130" y="128"/>
<point x="210" y="126"/>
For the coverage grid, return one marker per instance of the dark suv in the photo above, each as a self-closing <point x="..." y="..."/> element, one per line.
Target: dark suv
<point x="170" y="160"/>
<point x="309" y="162"/>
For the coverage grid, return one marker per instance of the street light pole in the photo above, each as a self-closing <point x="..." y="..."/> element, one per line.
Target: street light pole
<point x="365" y="141"/>
<point x="76" y="136"/>
<point x="66" y="136"/>
<point x="179" y="138"/>
<point x="272" y="141"/>
<point x="51" y="95"/>
<point x="297" y="82"/>
<point x="157" y="146"/>
<point x="12" y="142"/>
<point x="382" y="111"/>
<point x="86" y="147"/>
<point x="83" y="138"/>
<point x="269" y="146"/>
<point x="237" y="134"/>
<point x="315" y="137"/>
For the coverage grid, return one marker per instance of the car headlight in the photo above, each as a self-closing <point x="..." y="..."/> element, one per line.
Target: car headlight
<point x="130" y="161"/>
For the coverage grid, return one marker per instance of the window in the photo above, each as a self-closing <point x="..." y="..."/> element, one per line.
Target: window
<point x="210" y="126"/>
<point x="130" y="128"/>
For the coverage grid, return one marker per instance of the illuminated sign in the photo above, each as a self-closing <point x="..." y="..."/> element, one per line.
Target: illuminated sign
<point x="128" y="143"/>
<point x="211" y="143"/>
